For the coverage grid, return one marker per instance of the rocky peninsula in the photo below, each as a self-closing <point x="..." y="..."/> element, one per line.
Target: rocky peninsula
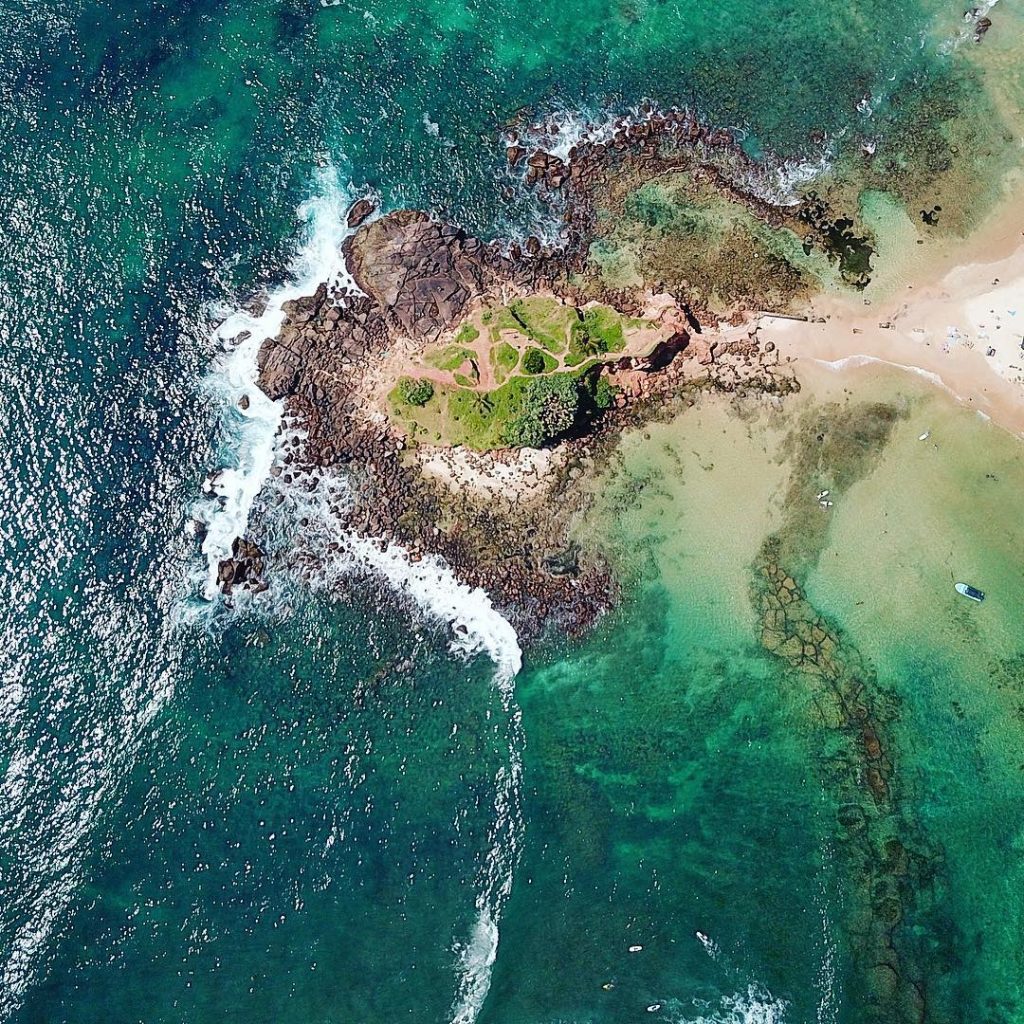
<point x="466" y="388"/>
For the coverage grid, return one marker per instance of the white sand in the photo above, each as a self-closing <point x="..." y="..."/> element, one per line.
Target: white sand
<point x="522" y="476"/>
<point x="963" y="332"/>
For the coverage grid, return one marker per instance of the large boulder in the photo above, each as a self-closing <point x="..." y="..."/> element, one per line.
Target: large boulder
<point x="361" y="209"/>
<point x="421" y="272"/>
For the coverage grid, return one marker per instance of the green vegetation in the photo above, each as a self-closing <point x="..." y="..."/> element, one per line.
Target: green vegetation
<point x="532" y="336"/>
<point x="544" y="321"/>
<point x="604" y="393"/>
<point x="504" y="359"/>
<point x="415" y="392"/>
<point x="523" y="412"/>
<point x="451" y="357"/>
<point x="534" y="375"/>
<point x="466" y="334"/>
<point x="597" y="333"/>
<point x="548" y="408"/>
<point x="537" y="361"/>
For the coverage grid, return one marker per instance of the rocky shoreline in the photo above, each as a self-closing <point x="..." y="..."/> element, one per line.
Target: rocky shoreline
<point x="517" y="536"/>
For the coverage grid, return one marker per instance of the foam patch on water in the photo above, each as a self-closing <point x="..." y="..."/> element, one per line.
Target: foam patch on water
<point x="565" y="128"/>
<point x="755" y="1006"/>
<point x="854" y="361"/>
<point x="827" y="980"/>
<point x="249" y="435"/>
<point x="478" y="629"/>
<point x="434" y="588"/>
<point x="316" y="499"/>
<point x="968" y="30"/>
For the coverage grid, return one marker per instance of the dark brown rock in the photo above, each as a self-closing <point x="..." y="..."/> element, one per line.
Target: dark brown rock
<point x="361" y="209"/>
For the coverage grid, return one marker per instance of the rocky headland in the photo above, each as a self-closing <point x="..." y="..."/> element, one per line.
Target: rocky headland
<point x="379" y="379"/>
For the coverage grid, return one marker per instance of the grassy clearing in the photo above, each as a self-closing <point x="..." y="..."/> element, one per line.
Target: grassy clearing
<point x="541" y="353"/>
<point x="451" y="357"/>
<point x="504" y="359"/>
<point x="598" y="333"/>
<point x="544" y="321"/>
<point x="466" y="334"/>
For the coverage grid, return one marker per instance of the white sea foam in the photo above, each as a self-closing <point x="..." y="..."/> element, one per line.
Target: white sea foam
<point x="478" y="628"/>
<point x="827" y="981"/>
<point x="249" y="435"/>
<point x="476" y="961"/>
<point x="755" y="1006"/>
<point x="969" y="28"/>
<point x="852" y="362"/>
<point x="783" y="181"/>
<point x="711" y="947"/>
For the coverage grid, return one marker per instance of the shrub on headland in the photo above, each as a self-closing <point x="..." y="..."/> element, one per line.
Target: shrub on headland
<point x="415" y="391"/>
<point x="604" y="393"/>
<point x="548" y="408"/>
<point x="533" y="361"/>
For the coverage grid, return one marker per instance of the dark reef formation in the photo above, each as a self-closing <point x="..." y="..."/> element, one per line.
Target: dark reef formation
<point x="896" y="918"/>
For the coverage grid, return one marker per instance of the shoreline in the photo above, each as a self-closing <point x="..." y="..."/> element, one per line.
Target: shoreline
<point x="503" y="517"/>
<point x="962" y="331"/>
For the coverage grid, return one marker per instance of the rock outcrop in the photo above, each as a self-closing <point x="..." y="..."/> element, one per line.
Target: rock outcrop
<point x="419" y="278"/>
<point x="244" y="569"/>
<point x="421" y="273"/>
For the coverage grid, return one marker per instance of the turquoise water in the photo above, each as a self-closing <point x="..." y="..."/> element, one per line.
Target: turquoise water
<point x="318" y="810"/>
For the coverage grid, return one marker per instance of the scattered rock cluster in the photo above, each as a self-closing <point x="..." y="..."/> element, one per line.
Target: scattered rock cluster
<point x="244" y="568"/>
<point x="636" y="151"/>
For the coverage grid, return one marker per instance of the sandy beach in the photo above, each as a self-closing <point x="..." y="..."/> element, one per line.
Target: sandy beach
<point x="964" y="331"/>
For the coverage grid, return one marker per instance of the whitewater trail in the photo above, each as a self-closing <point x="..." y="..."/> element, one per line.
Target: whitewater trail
<point x="53" y="846"/>
<point x="251" y="439"/>
<point x="318" y="498"/>
<point x="754" y="1006"/>
<point x="478" y="628"/>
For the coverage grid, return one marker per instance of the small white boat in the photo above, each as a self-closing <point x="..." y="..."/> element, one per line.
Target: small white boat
<point x="968" y="591"/>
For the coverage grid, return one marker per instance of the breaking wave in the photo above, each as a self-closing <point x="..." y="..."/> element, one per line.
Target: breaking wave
<point x="329" y="555"/>
<point x="754" y="1006"/>
<point x="248" y="422"/>
<point x="478" y="628"/>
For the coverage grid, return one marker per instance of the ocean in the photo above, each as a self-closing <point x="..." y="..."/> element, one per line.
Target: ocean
<point x="358" y="799"/>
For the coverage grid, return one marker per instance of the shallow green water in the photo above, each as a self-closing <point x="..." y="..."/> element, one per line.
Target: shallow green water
<point x="311" y="812"/>
<point x="745" y="738"/>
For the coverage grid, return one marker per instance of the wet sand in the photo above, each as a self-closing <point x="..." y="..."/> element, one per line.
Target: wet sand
<point x="964" y="331"/>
